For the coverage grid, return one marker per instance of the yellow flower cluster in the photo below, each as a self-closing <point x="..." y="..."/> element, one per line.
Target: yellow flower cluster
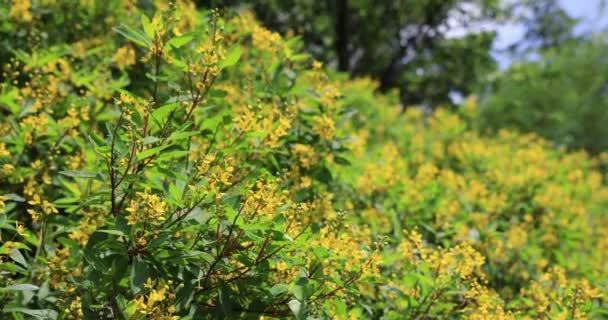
<point x="462" y="259"/>
<point x="305" y="154"/>
<point x="21" y="11"/>
<point x="60" y="271"/>
<point x="325" y="127"/>
<point x="264" y="200"/>
<point x="265" y="40"/>
<point x="124" y="57"/>
<point x="485" y="304"/>
<point x="157" y="303"/>
<point x="40" y="207"/>
<point x="507" y="207"/>
<point x="554" y="290"/>
<point x="265" y="120"/>
<point x="146" y="208"/>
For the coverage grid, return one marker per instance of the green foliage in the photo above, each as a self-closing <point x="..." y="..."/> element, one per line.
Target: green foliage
<point x="408" y="45"/>
<point x="188" y="165"/>
<point x="560" y="95"/>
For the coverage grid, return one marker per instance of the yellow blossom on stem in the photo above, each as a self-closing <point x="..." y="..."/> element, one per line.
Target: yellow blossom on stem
<point x="325" y="127"/>
<point x="124" y="57"/>
<point x="146" y="207"/>
<point x="21" y="11"/>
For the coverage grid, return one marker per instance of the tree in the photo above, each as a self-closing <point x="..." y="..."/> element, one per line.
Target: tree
<point x="547" y="25"/>
<point x="422" y="47"/>
<point x="562" y="95"/>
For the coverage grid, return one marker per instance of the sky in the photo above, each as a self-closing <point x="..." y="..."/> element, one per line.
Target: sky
<point x="585" y="10"/>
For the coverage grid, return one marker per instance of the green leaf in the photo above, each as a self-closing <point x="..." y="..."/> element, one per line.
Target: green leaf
<point x="278" y="289"/>
<point x="150" y="152"/>
<point x="232" y="57"/>
<point x="299" y="57"/>
<point x="173" y="155"/>
<point x="341" y="161"/>
<point x="147" y="25"/>
<point x="18" y="257"/>
<point x="95" y="261"/>
<point x="298" y="308"/>
<point x="139" y="274"/>
<point x="123" y="306"/>
<point x="161" y="114"/>
<point x="302" y="289"/>
<point x="44" y="291"/>
<point x="225" y="303"/>
<point x="322" y="174"/>
<point x="7" y="99"/>
<point x="14" y="197"/>
<point x="182" y="135"/>
<point x="340" y="306"/>
<point x="134" y="35"/>
<point x="175" y="193"/>
<point x="78" y="174"/>
<point x="320" y="252"/>
<point x="22" y="287"/>
<point x="114" y="232"/>
<point x="184" y="296"/>
<point x="180" y="41"/>
<point x="38" y="314"/>
<point x="179" y="63"/>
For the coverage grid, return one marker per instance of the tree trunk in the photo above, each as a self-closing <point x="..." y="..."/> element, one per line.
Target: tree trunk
<point x="342" y="35"/>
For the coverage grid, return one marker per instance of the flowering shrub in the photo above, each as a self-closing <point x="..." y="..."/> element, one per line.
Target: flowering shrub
<point x="477" y="227"/>
<point x="194" y="165"/>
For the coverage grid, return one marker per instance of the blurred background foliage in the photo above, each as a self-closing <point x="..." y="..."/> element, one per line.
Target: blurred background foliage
<point x="436" y="52"/>
<point x="562" y="95"/>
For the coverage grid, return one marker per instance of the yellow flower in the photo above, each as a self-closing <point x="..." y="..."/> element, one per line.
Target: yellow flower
<point x="265" y="40"/>
<point x="124" y="57"/>
<point x="275" y="132"/>
<point x="247" y="121"/>
<point x="328" y="94"/>
<point x="325" y="127"/>
<point x="20" y="228"/>
<point x="205" y="164"/>
<point x="469" y="260"/>
<point x="516" y="237"/>
<point x="3" y="151"/>
<point x="20" y="11"/>
<point x="48" y="207"/>
<point x="305" y="182"/>
<point x="265" y="200"/>
<point x="2" y="203"/>
<point x="7" y="169"/>
<point x="146" y="207"/>
<point x="305" y="154"/>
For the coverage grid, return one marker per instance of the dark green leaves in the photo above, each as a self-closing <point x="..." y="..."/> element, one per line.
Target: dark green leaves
<point x="138" y="275"/>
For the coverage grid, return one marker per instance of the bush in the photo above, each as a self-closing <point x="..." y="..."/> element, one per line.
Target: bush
<point x="192" y="165"/>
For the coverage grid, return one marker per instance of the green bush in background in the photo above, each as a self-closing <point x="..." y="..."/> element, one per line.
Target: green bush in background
<point x="562" y="95"/>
